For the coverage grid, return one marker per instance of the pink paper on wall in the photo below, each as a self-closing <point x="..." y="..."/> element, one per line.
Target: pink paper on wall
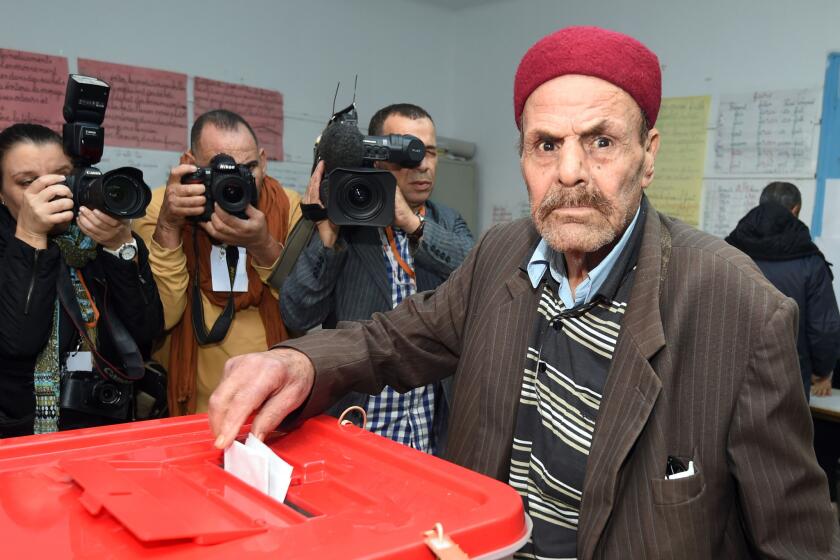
<point x="147" y="108"/>
<point x="262" y="108"/>
<point x="32" y="88"/>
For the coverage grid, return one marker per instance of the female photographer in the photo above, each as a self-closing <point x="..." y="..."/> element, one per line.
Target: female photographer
<point x="78" y="305"/>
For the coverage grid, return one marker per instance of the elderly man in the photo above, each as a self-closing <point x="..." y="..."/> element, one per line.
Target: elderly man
<point x="634" y="378"/>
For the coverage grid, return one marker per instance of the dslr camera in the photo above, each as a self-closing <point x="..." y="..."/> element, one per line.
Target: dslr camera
<point x="120" y="193"/>
<point x="230" y="184"/>
<point x="89" y="392"/>
<point x="353" y="192"/>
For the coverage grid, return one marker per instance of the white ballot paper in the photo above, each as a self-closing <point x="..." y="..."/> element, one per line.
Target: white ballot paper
<point x="257" y="465"/>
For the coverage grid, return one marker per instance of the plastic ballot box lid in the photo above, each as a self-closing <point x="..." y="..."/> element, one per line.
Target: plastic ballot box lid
<point x="158" y="489"/>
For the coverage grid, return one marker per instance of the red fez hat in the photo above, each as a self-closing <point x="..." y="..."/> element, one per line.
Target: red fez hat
<point x="591" y="51"/>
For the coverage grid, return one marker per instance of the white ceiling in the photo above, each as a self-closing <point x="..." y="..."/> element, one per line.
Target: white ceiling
<point x="456" y="4"/>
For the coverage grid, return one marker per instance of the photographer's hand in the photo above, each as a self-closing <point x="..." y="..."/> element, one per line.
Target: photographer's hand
<point x="404" y="216"/>
<point x="276" y="382"/>
<point x="179" y="202"/>
<point x="327" y="231"/>
<point x="46" y="203"/>
<point x="251" y="233"/>
<point x="106" y="230"/>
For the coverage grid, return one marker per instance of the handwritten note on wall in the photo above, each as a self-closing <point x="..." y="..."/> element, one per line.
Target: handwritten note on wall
<point x="727" y="200"/>
<point x="32" y="88"/>
<point x="262" y="108"/>
<point x="147" y="108"/>
<point x="768" y="133"/>
<point x="678" y="183"/>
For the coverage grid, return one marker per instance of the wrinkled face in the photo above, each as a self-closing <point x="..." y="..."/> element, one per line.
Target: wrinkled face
<point x="416" y="184"/>
<point x="237" y="143"/>
<point x="24" y="163"/>
<point x="584" y="161"/>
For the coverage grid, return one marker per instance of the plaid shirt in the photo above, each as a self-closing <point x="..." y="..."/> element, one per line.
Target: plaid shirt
<point x="406" y="418"/>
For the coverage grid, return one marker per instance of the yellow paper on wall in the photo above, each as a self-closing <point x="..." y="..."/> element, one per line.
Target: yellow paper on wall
<point x="678" y="181"/>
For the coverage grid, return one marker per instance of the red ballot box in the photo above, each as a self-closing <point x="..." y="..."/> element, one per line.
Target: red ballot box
<point x="158" y="489"/>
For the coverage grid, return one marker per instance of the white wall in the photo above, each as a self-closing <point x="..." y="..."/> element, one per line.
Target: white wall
<point x="709" y="47"/>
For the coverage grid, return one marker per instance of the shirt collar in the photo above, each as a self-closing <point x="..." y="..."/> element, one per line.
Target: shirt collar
<point x="545" y="258"/>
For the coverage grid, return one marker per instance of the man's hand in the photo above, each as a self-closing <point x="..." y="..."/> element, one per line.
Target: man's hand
<point x="821" y="386"/>
<point x="276" y="382"/>
<point x="179" y="202"/>
<point x="45" y="204"/>
<point x="251" y="233"/>
<point x="404" y="216"/>
<point x="327" y="231"/>
<point x="109" y="232"/>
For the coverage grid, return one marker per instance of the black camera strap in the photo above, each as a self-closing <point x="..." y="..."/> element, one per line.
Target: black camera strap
<point x="132" y="360"/>
<point x="220" y="328"/>
<point x="313" y="212"/>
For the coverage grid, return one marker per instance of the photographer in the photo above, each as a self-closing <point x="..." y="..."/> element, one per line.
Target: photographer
<point x="185" y="237"/>
<point x="51" y="342"/>
<point x="348" y="274"/>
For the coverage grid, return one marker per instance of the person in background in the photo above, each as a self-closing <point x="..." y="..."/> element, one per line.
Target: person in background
<point x="182" y="250"/>
<point x="71" y="288"/>
<point x="350" y="273"/>
<point x="630" y="376"/>
<point x="780" y="244"/>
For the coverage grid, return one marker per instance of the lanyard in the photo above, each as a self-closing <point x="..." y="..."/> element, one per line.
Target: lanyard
<point x="389" y="233"/>
<point x="90" y="313"/>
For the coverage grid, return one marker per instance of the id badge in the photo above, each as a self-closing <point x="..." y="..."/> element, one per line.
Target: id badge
<point x="221" y="275"/>
<point x="79" y="361"/>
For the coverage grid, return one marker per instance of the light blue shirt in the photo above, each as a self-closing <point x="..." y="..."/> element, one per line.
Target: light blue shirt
<point x="545" y="257"/>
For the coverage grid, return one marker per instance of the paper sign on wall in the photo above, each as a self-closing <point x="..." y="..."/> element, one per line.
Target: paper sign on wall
<point x="32" y="88"/>
<point x="726" y="201"/>
<point x="678" y="182"/>
<point x="147" y="108"/>
<point x="262" y="108"/>
<point x="768" y="133"/>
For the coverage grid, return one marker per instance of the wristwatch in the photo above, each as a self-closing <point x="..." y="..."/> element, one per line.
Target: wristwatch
<point x="417" y="233"/>
<point x="126" y="251"/>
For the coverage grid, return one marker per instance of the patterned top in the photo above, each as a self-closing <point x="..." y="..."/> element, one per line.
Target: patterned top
<point x="409" y="417"/>
<point x="566" y="368"/>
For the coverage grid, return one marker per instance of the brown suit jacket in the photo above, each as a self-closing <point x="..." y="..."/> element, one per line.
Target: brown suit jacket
<point x="705" y="368"/>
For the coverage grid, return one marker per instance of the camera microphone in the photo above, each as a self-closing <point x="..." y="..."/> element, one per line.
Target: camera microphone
<point x="341" y="146"/>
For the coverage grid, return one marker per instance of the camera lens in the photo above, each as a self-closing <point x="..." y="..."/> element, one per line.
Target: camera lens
<point x="107" y="394"/>
<point x="120" y="197"/>
<point x="360" y="198"/>
<point x="120" y="193"/>
<point x="232" y="194"/>
<point x="359" y="195"/>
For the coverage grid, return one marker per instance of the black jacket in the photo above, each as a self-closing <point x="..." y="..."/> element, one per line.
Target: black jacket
<point x="28" y="280"/>
<point x="349" y="282"/>
<point x="781" y="246"/>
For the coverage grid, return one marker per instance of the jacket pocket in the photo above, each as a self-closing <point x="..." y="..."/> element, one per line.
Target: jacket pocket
<point x="678" y="491"/>
<point x="681" y="517"/>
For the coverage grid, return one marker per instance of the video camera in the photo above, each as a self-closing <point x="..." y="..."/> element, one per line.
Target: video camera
<point x="353" y="192"/>
<point x="230" y="184"/>
<point x="120" y="193"/>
